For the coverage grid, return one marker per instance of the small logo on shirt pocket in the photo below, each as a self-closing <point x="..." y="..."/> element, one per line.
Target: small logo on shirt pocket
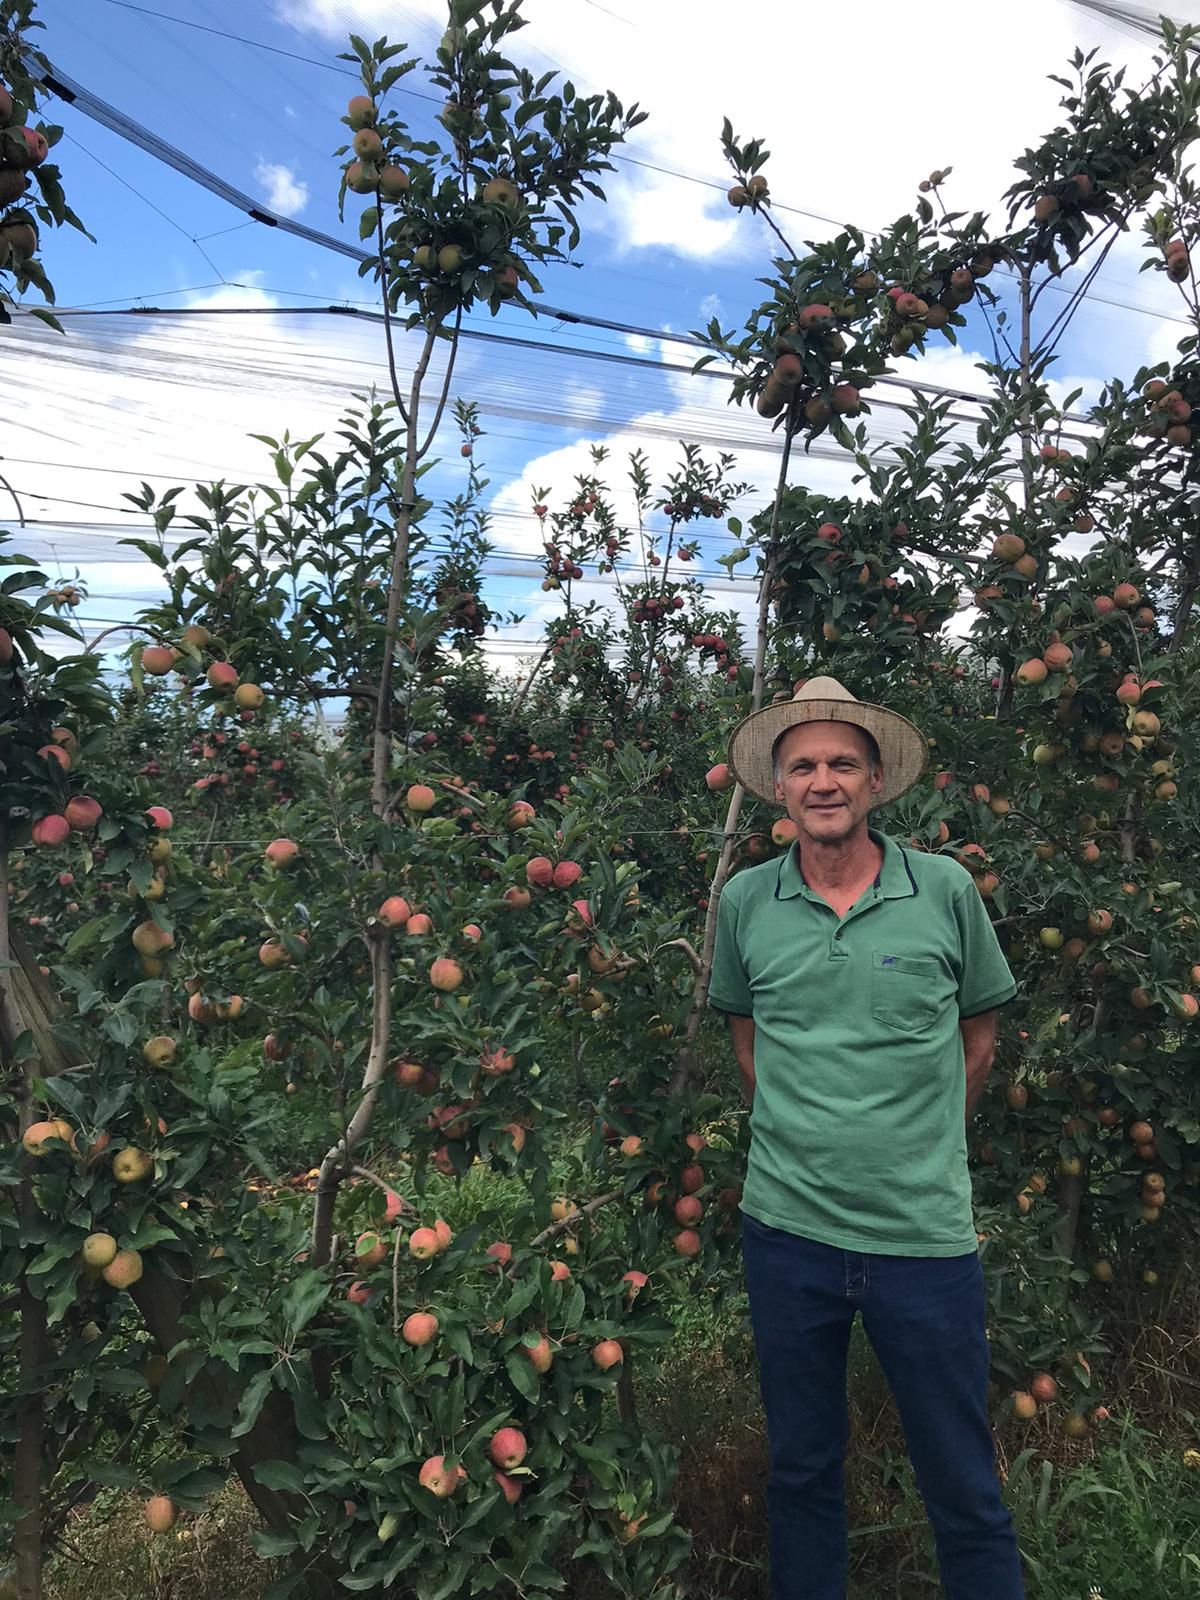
<point x="905" y="991"/>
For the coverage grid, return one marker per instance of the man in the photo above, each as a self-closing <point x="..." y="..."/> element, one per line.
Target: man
<point x="860" y="982"/>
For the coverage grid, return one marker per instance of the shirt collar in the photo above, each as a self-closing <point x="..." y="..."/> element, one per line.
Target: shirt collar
<point x="894" y="882"/>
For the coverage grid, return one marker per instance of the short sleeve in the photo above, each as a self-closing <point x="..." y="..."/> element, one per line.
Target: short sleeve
<point x="730" y="986"/>
<point x="984" y="978"/>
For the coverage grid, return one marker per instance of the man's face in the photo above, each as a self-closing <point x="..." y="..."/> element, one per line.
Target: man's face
<point x="826" y="780"/>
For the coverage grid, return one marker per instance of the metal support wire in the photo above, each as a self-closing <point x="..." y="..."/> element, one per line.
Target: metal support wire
<point x="125" y="127"/>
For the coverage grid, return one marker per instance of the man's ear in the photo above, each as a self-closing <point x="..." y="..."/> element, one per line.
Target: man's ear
<point x="877" y="780"/>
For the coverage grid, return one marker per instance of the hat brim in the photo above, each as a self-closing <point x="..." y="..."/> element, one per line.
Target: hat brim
<point x="902" y="747"/>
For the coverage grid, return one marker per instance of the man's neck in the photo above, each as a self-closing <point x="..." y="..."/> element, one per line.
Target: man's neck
<point x="840" y="865"/>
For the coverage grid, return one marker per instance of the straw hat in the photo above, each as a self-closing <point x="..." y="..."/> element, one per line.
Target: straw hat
<point x="901" y="745"/>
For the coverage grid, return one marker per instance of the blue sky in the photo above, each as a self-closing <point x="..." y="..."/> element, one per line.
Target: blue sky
<point x="664" y="254"/>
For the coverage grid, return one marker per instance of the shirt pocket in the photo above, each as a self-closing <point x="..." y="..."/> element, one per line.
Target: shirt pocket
<point x="905" y="990"/>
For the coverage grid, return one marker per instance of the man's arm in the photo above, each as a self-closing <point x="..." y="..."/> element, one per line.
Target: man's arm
<point x="741" y="1033"/>
<point x="979" y="1051"/>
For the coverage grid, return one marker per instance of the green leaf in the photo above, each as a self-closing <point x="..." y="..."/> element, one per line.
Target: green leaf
<point x="114" y="1476"/>
<point x="83" y="938"/>
<point x="520" y="1371"/>
<point x="305" y="1297"/>
<point x="147" y="1234"/>
<point x="459" y="1341"/>
<point x="253" y="1400"/>
<point x="284" y="1475"/>
<point x="267" y="1543"/>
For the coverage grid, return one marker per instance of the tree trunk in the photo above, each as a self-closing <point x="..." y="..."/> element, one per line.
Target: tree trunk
<point x="1066" y="1225"/>
<point x="1007" y="661"/>
<point x="522" y="693"/>
<point x="626" y="1397"/>
<point x="27" y="1455"/>
<point x="337" y="1159"/>
<point x="162" y="1303"/>
<point x="685" y="1064"/>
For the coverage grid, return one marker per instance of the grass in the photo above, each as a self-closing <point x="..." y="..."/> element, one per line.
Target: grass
<point x="108" y="1554"/>
<point x="1116" y="1517"/>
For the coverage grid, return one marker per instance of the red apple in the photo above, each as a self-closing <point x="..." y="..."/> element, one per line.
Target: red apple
<point x="581" y="910"/>
<point x="541" y="1356"/>
<point x="606" y="1354"/>
<point x="82" y="813"/>
<point x="508" y="1447"/>
<point x="221" y="675"/>
<point x="445" y="975"/>
<point x="370" y="1250"/>
<point x="439" y="1479"/>
<point x="51" y="830"/>
<point x="419" y="1328"/>
<point x="158" y="659"/>
<point x="394" y="912"/>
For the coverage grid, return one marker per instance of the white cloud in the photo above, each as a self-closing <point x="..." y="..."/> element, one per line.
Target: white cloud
<point x="946" y="366"/>
<point x="243" y="289"/>
<point x="853" y="156"/>
<point x="337" y="18"/>
<point x="663" y="211"/>
<point x="848" y="151"/>
<point x="1061" y="390"/>
<point x="656" y="434"/>
<point x="283" y="191"/>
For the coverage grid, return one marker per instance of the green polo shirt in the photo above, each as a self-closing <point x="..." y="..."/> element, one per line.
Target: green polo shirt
<point x="858" y="1134"/>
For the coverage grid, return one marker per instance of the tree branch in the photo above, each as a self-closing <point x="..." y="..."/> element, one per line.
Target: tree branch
<point x="688" y="949"/>
<point x="441" y="405"/>
<point x="387" y="313"/>
<point x="555" y="1228"/>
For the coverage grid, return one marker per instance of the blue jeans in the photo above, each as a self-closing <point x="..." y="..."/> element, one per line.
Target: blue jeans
<point x="924" y="1317"/>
